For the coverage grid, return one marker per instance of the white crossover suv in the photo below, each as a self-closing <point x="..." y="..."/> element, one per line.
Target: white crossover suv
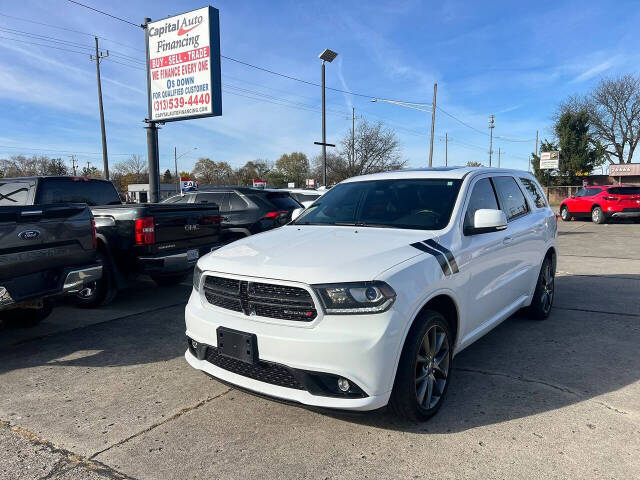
<point x="365" y="299"/>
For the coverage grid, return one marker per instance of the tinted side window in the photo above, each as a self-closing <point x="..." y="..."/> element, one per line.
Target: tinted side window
<point x="592" y="192"/>
<point x="236" y="202"/>
<point x="536" y="194"/>
<point x="219" y="198"/>
<point x="624" y="191"/>
<point x="512" y="201"/>
<point x="283" y="201"/>
<point x="581" y="193"/>
<point x="16" y="192"/>
<point x="482" y="196"/>
<point x="67" y="190"/>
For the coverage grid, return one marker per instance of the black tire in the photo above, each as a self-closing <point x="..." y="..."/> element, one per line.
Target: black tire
<point x="26" y="317"/>
<point x="544" y="294"/>
<point x="169" y="280"/>
<point x="101" y="292"/>
<point x="565" y="214"/>
<point x="405" y="397"/>
<point x="598" y="216"/>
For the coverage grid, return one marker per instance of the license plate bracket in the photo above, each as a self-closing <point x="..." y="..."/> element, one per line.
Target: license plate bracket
<point x="237" y="345"/>
<point x="192" y="255"/>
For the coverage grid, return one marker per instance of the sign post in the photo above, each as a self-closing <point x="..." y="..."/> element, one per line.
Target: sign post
<point x="183" y="75"/>
<point x="549" y="161"/>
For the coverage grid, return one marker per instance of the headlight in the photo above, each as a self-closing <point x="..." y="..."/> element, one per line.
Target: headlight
<point x="197" y="275"/>
<point x="354" y="298"/>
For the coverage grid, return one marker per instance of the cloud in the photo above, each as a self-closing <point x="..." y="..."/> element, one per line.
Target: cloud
<point x="596" y="70"/>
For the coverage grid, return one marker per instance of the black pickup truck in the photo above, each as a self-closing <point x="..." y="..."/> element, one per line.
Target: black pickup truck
<point x="45" y="251"/>
<point x="163" y="241"/>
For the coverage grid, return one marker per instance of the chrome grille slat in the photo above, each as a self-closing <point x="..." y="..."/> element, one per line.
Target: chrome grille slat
<point x="258" y="298"/>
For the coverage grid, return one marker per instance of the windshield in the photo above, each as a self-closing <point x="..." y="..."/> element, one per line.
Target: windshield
<point x="424" y="204"/>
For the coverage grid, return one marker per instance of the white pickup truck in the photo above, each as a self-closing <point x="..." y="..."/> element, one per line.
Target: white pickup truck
<point x="366" y="298"/>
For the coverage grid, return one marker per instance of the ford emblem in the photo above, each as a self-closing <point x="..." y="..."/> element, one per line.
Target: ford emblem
<point x="29" y="234"/>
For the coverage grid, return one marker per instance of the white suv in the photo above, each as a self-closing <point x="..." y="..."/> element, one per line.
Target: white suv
<point x="365" y="299"/>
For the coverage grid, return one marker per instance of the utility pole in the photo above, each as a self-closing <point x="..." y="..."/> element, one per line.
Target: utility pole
<point x="99" y="56"/>
<point x="499" y="155"/>
<point x="88" y="170"/>
<point x="353" y="134"/>
<point x="152" y="132"/>
<point x="175" y="159"/>
<point x="491" y="127"/>
<point x="529" y="166"/>
<point x="433" y="123"/>
<point x="446" y="149"/>
<point x="73" y="164"/>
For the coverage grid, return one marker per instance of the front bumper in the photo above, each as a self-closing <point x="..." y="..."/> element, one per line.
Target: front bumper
<point x="361" y="348"/>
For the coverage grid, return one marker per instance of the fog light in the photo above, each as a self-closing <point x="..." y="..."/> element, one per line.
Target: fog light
<point x="343" y="384"/>
<point x="194" y="344"/>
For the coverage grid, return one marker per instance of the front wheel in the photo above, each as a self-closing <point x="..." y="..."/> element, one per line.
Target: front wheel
<point x="424" y="369"/>
<point x="564" y="214"/>
<point x="544" y="294"/>
<point x="597" y="216"/>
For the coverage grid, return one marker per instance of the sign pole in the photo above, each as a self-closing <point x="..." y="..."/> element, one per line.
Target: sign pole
<point x="152" y="131"/>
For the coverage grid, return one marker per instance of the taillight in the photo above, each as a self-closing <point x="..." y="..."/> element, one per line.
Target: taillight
<point x="611" y="199"/>
<point x="145" y="231"/>
<point x="211" y="219"/>
<point x="276" y="214"/>
<point x="93" y="232"/>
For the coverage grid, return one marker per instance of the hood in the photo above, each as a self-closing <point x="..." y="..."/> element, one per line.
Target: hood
<point x="316" y="254"/>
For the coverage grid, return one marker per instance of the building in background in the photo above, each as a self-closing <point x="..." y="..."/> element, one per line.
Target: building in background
<point x="139" y="192"/>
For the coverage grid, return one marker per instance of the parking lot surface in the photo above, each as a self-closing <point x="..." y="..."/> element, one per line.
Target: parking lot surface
<point x="107" y="394"/>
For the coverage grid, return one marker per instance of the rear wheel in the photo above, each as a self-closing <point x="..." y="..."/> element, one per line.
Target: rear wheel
<point x="544" y="294"/>
<point x="26" y="317"/>
<point x="424" y="369"/>
<point x="598" y="216"/>
<point x="101" y="292"/>
<point x="168" y="280"/>
<point x="564" y="213"/>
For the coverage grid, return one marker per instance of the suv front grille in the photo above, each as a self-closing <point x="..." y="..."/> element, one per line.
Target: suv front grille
<point x="262" y="299"/>
<point x="262" y="371"/>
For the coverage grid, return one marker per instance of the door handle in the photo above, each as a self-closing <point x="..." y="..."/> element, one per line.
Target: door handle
<point x="507" y="240"/>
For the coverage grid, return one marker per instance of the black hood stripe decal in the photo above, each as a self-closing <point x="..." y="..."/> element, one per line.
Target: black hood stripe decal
<point x="437" y="254"/>
<point x="450" y="258"/>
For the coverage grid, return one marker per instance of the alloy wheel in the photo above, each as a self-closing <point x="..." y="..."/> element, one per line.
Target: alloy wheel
<point x="432" y="367"/>
<point x="547" y="282"/>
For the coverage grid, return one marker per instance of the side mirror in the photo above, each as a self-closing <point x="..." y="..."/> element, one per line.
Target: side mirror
<point x="487" y="220"/>
<point x="296" y="213"/>
<point x="573" y="196"/>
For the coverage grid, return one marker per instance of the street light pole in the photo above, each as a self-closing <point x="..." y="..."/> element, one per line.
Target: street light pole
<point x="326" y="56"/>
<point x="324" y="131"/>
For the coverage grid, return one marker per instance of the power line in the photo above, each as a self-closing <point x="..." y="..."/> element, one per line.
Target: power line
<point x="104" y="13"/>
<point x="71" y="30"/>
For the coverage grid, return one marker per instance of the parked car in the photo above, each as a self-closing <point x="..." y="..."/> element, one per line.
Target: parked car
<point x="163" y="241"/>
<point x="602" y="203"/>
<point x="365" y="299"/>
<point x="305" y="197"/>
<point x="46" y="251"/>
<point x="244" y="210"/>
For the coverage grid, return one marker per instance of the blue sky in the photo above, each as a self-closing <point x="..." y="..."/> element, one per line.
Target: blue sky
<point x="516" y="60"/>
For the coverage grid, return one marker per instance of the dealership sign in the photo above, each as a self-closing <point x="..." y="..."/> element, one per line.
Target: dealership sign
<point x="188" y="185"/>
<point x="549" y="160"/>
<point x="624" y="169"/>
<point x="184" y="66"/>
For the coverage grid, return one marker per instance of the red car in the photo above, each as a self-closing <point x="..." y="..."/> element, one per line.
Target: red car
<point x="602" y="203"/>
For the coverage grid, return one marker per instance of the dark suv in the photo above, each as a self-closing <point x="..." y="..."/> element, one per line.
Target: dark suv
<point x="244" y="210"/>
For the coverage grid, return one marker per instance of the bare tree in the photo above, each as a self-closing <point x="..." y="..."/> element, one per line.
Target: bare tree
<point x="135" y="165"/>
<point x="376" y="149"/>
<point x="614" y="115"/>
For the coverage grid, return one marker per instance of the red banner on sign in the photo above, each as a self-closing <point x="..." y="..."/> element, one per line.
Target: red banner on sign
<point x="178" y="58"/>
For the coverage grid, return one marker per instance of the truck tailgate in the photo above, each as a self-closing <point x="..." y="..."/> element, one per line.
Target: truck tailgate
<point x="185" y="225"/>
<point x="44" y="238"/>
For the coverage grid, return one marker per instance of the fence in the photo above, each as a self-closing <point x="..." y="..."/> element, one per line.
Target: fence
<point x="557" y="193"/>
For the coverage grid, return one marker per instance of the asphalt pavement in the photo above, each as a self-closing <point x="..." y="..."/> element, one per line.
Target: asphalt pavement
<point x="107" y="394"/>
